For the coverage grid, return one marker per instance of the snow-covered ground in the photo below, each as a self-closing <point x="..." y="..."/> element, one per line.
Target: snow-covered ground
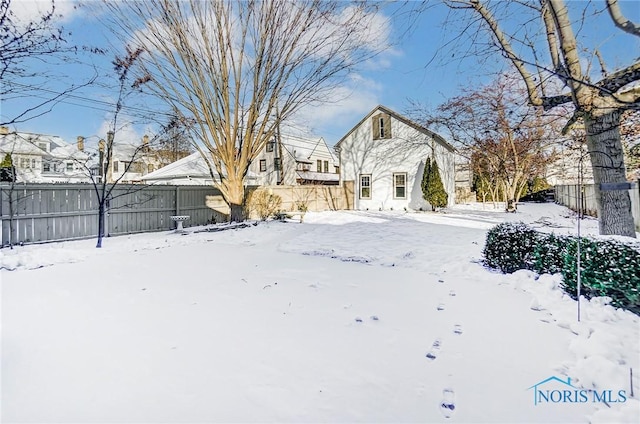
<point x="349" y="317"/>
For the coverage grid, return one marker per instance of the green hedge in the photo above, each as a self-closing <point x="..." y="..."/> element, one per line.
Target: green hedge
<point x="608" y="268"/>
<point x="510" y="247"/>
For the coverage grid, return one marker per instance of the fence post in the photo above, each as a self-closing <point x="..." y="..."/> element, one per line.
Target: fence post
<point x="177" y="200"/>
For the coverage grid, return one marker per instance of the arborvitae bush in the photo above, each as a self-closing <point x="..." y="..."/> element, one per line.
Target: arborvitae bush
<point x="549" y="253"/>
<point x="608" y="268"/>
<point x="509" y="247"/>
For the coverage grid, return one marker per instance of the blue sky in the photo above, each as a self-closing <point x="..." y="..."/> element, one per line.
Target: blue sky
<point x="416" y="68"/>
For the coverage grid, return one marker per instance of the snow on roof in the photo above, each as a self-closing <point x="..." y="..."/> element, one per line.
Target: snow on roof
<point x="318" y="176"/>
<point x="302" y="148"/>
<point x="193" y="165"/>
<point x="190" y="166"/>
<point x="29" y="144"/>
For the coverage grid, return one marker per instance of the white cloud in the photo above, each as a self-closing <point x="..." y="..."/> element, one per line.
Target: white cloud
<point x="29" y="10"/>
<point x="345" y="106"/>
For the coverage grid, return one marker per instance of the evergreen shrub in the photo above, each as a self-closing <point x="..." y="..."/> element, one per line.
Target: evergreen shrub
<point x="608" y="268"/>
<point x="509" y="247"/>
<point x="549" y="253"/>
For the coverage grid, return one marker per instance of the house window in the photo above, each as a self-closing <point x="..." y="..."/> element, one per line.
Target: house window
<point x="46" y="167"/>
<point x="150" y="168"/>
<point x="337" y="169"/>
<point x="276" y="164"/>
<point x="400" y="185"/>
<point x="381" y="126"/>
<point x="25" y="163"/>
<point x="365" y="186"/>
<point x="263" y="165"/>
<point x="43" y="146"/>
<point x="326" y="166"/>
<point x="319" y="165"/>
<point x="115" y="166"/>
<point x="270" y="145"/>
<point x="69" y="166"/>
<point x="33" y="163"/>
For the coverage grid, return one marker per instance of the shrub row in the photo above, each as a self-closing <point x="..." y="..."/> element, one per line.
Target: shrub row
<point x="607" y="267"/>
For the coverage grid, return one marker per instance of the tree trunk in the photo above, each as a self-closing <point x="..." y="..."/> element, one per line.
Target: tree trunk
<point x="235" y="198"/>
<point x="605" y="151"/>
<point x="100" y="224"/>
<point x="237" y="213"/>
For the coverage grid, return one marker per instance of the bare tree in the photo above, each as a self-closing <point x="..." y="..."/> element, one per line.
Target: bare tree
<point x="100" y="166"/>
<point x="175" y="142"/>
<point x="240" y="68"/>
<point x="598" y="103"/>
<point x="508" y="142"/>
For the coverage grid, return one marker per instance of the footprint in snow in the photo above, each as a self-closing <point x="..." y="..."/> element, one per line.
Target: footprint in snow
<point x="457" y="329"/>
<point x="441" y="307"/>
<point x="452" y="293"/>
<point x="435" y="348"/>
<point x="448" y="406"/>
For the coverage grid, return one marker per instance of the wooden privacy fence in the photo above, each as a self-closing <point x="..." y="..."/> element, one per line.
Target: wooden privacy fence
<point x="50" y="212"/>
<point x="567" y="195"/>
<point x="316" y="198"/>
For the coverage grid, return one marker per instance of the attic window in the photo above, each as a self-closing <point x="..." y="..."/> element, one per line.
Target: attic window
<point x="381" y="126"/>
<point x="270" y="145"/>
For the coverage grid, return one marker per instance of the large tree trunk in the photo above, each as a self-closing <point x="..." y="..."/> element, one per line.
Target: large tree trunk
<point x="605" y="151"/>
<point x="234" y="195"/>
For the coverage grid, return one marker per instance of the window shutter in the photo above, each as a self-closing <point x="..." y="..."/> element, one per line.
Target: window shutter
<point x="387" y="126"/>
<point x="376" y="127"/>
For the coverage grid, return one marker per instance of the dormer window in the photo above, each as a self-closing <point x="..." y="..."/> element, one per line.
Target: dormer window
<point x="381" y="126"/>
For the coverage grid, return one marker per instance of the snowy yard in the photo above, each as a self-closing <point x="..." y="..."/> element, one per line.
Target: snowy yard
<point x="349" y="317"/>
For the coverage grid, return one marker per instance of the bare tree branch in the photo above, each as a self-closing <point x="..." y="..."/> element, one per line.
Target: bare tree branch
<point x="620" y="20"/>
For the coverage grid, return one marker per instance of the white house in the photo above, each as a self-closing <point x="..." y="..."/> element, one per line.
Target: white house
<point x="295" y="161"/>
<point x="40" y="158"/>
<point x="384" y="156"/>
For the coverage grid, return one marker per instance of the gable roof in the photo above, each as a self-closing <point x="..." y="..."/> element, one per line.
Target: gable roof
<point x="438" y="138"/>
<point x="190" y="166"/>
<point x="193" y="166"/>
<point x="301" y="148"/>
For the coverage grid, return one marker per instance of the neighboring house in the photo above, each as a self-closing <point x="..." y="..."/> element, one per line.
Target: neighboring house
<point x="40" y="158"/>
<point x="296" y="161"/>
<point x="130" y="162"/>
<point x="384" y="155"/>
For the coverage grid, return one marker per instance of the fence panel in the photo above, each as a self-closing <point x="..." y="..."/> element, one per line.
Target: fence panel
<point x="567" y="195"/>
<point x="31" y="213"/>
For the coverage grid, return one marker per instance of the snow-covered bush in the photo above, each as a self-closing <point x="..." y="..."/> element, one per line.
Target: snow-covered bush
<point x="549" y="253"/>
<point x="608" y="268"/>
<point x="510" y="246"/>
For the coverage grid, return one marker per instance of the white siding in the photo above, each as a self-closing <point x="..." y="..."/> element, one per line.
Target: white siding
<point x="405" y="151"/>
